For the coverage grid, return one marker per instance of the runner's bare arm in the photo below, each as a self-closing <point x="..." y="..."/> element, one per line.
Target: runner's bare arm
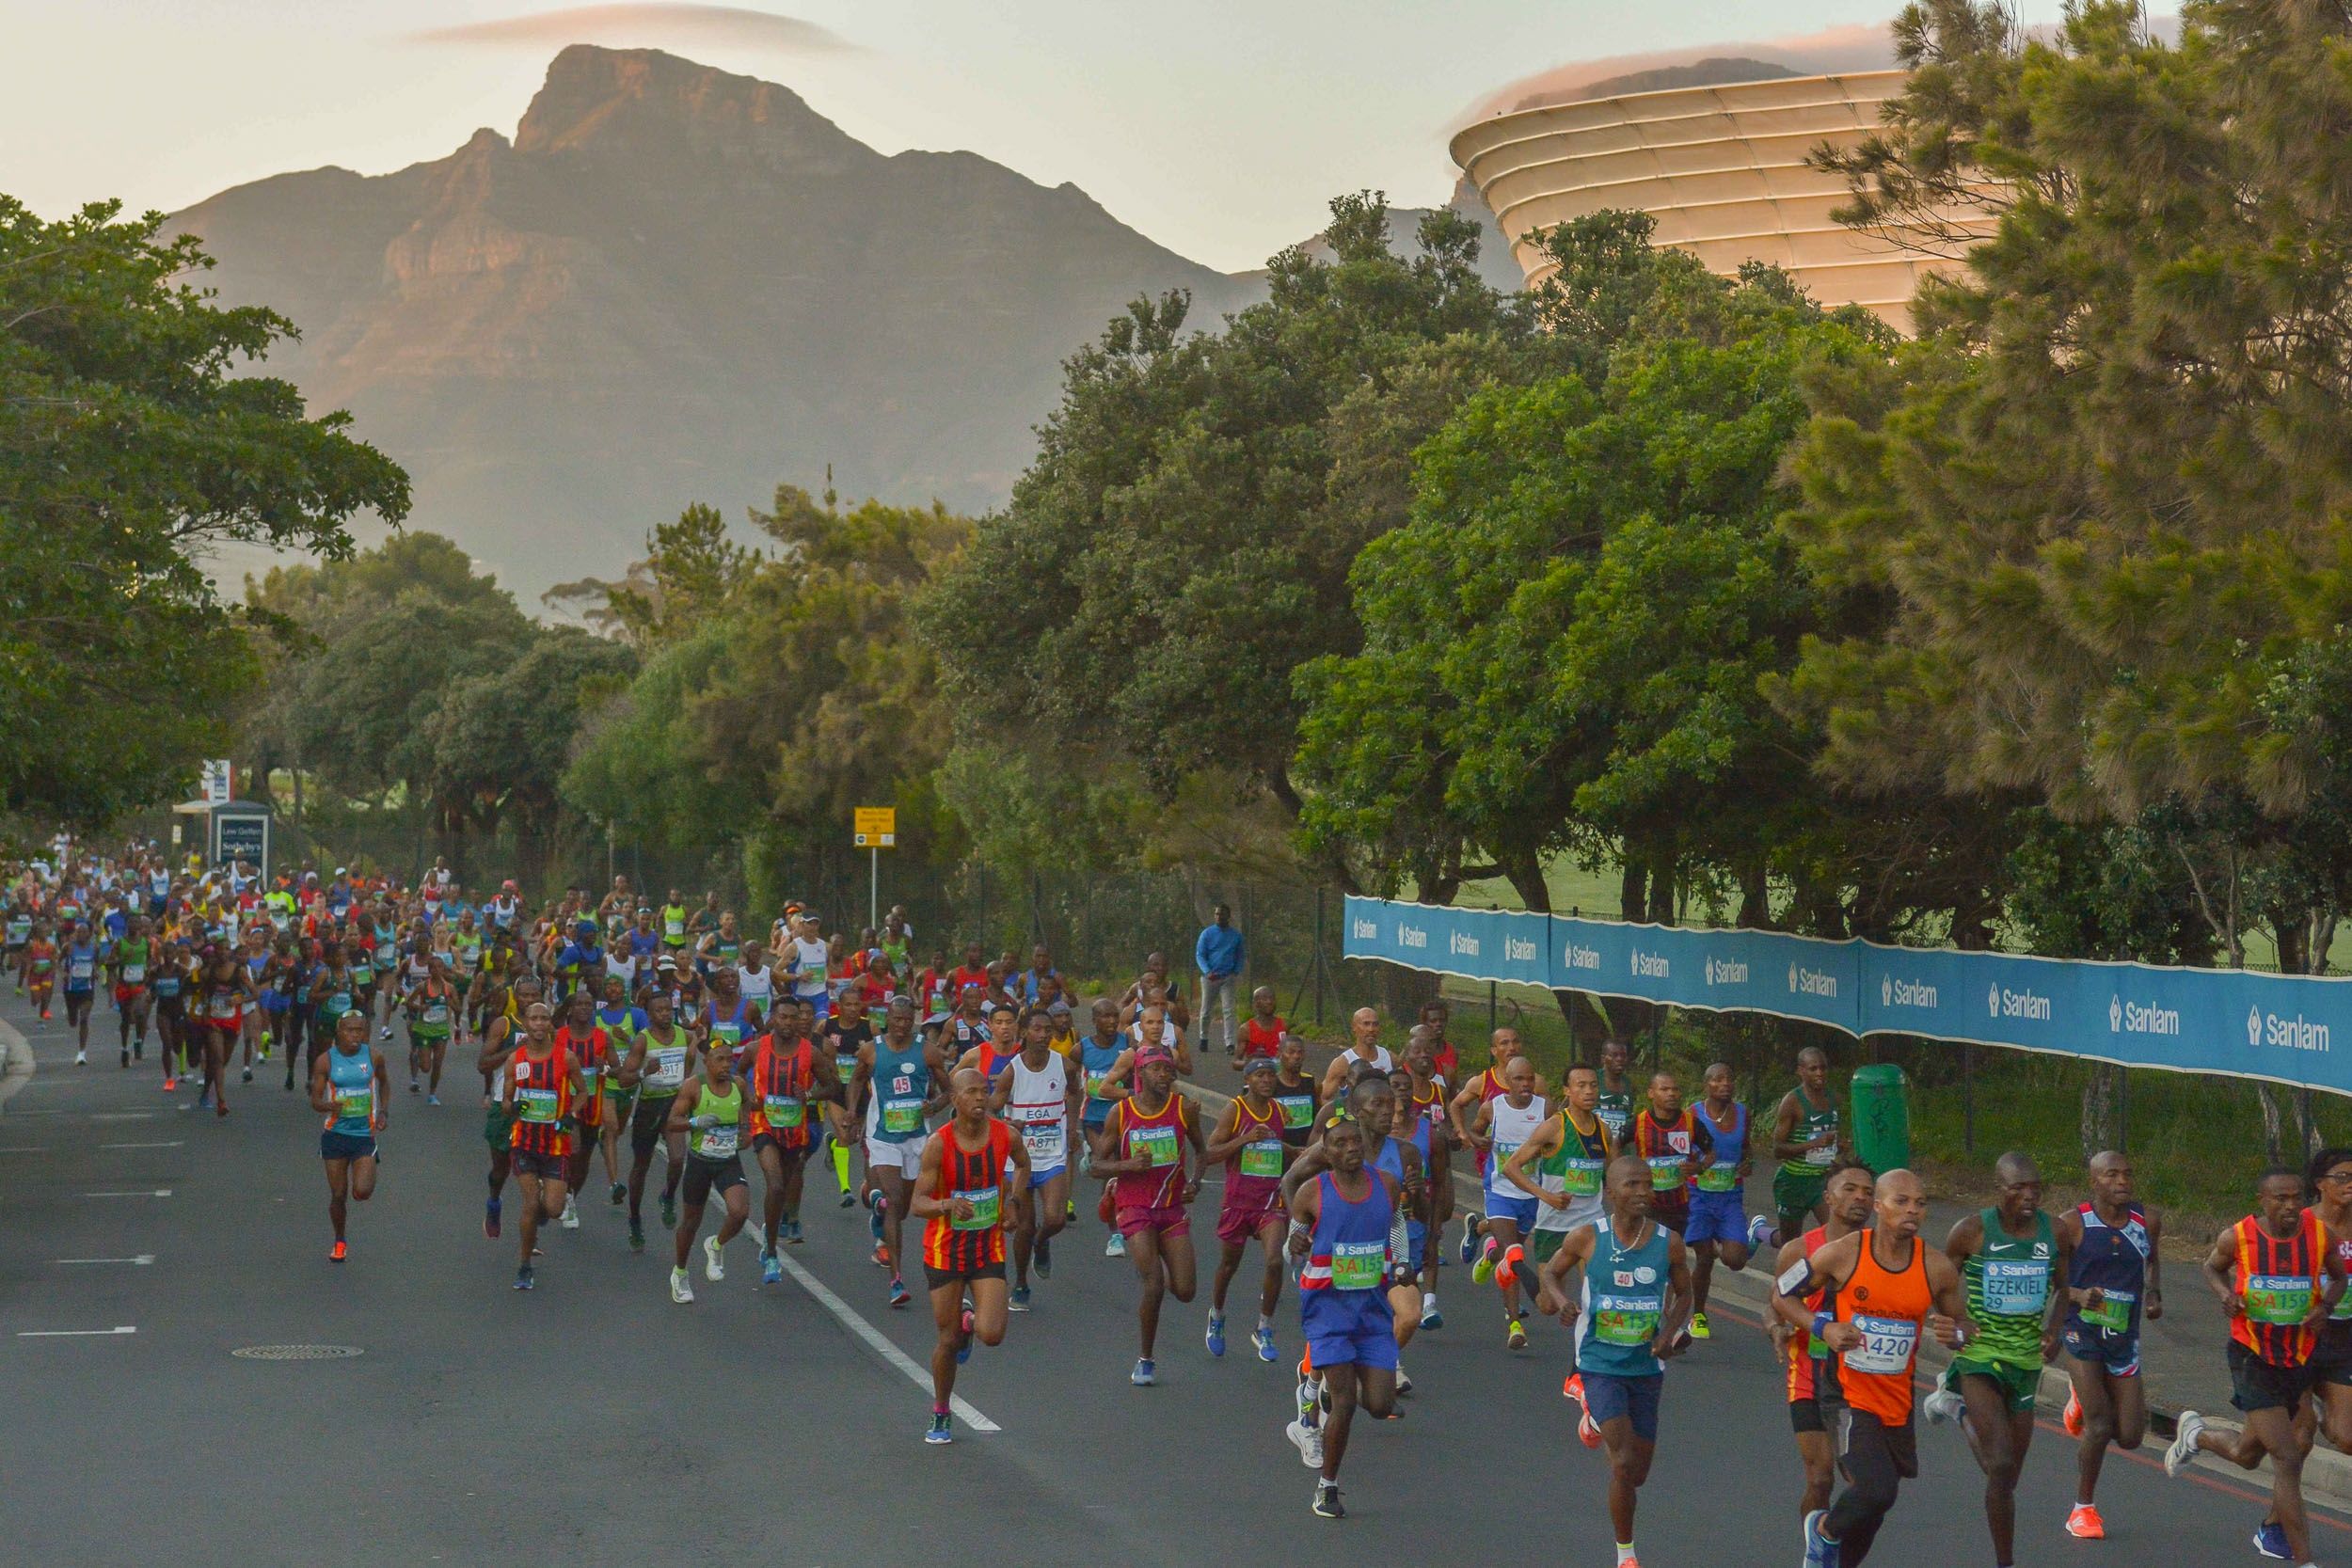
<point x="1669" y="1342"/>
<point x="1226" y="1140"/>
<point x="1539" y="1146"/>
<point x="2153" y="1307"/>
<point x="1018" y="1184"/>
<point x="1551" y="1290"/>
<point x="1949" y="1323"/>
<point x="1310" y="1163"/>
<point x="1833" y="1266"/>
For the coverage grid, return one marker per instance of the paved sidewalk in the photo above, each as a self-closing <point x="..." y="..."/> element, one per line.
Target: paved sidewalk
<point x="16" y="1062"/>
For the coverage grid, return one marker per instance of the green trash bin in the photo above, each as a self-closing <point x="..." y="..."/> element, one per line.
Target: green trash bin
<point x="1881" y="1116"/>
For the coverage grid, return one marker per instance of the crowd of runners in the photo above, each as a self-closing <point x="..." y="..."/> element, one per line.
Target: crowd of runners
<point x="969" y="1105"/>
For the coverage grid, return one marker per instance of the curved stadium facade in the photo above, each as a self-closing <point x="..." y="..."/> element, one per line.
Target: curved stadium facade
<point x="1722" y="167"/>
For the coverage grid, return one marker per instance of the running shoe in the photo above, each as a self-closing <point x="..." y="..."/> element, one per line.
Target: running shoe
<point x="1019" y="1301"/>
<point x="1698" y="1326"/>
<point x="1216" y="1334"/>
<point x="1070" y="1210"/>
<point x="342" y="1250"/>
<point x="171" y="1085"/>
<point x="1587" y="1433"/>
<point x="524" y="1278"/>
<point x="849" y="1197"/>
<point x="2073" y="1419"/>
<point x="2184" y="1448"/>
<point x="1145" y="1374"/>
<point x="1404" y="1383"/>
<point x="876" y="1204"/>
<point x="387" y="1033"/>
<point x="433" y="1100"/>
<point x="1515" y="1338"/>
<point x="757" y="1232"/>
<point x="1328" y="1500"/>
<point x="490" y="1219"/>
<point x="1489" y="1255"/>
<point x="619" y="1193"/>
<point x="81" y="1059"/>
<point x="681" y="1288"/>
<point x="1264" y="1340"/>
<point x="1572" y="1388"/>
<point x="1042" y="1263"/>
<point x="1507" y="1269"/>
<point x="1944" y="1406"/>
<point x="414" y="1087"/>
<point x="2270" y="1539"/>
<point x="1760" y="1232"/>
<point x="963" y="1336"/>
<point x="881" y="1255"/>
<point x="1116" y="1245"/>
<point x="792" y="1233"/>
<point x="637" y="1235"/>
<point x="899" y="1296"/>
<point x="246" y="1077"/>
<point x="2084" y="1524"/>
<point x="940" y="1431"/>
<point x="126" y="1055"/>
<point x="1309" y="1441"/>
<point x="1430" y="1317"/>
<point x="668" y="1211"/>
<point x="770" y="1269"/>
<point x="1820" y="1551"/>
<point x="714" y="1266"/>
<point x="571" y="1213"/>
<point x="1470" y="1234"/>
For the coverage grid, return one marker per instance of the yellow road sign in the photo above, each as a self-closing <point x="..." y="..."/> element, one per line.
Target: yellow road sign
<point x="876" y="827"/>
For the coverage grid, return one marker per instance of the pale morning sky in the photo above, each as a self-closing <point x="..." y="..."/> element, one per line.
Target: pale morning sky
<point x="1218" y="127"/>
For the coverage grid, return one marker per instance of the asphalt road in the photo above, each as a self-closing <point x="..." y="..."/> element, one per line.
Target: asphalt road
<point x="593" y="1421"/>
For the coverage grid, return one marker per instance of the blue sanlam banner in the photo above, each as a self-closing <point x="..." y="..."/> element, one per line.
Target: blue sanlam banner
<point x="2233" y="1021"/>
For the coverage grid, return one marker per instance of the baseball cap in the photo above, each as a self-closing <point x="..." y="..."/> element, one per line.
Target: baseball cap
<point x="665" y="961"/>
<point x="1151" y="1054"/>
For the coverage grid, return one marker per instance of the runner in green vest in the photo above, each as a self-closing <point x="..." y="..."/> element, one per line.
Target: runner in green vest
<point x="1808" y="1141"/>
<point x="710" y="1111"/>
<point x="2010" y="1259"/>
<point x="674" y="924"/>
<point x="1615" y="1105"/>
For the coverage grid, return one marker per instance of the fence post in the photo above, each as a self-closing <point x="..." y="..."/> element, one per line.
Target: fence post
<point x="1492" y="1022"/>
<point x="1968" y="1099"/>
<point x="2123" y="1110"/>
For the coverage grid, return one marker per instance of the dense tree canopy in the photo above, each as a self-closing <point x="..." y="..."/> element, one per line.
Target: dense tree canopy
<point x="130" y="445"/>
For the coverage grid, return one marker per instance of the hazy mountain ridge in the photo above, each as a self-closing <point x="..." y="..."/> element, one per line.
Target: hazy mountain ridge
<point x="676" y="284"/>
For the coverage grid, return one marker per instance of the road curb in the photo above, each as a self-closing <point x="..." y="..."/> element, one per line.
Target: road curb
<point x="16" y="1062"/>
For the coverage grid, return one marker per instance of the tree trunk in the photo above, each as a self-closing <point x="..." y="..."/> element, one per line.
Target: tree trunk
<point x="2098" y="1110"/>
<point x="1755" y="897"/>
<point x="1632" y="889"/>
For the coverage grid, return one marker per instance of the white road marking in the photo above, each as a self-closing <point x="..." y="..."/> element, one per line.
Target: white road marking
<point x="159" y="1192"/>
<point x="72" y="1333"/>
<point x="143" y="1259"/>
<point x="24" y="1151"/>
<point x="175" y="1143"/>
<point x="881" y="1343"/>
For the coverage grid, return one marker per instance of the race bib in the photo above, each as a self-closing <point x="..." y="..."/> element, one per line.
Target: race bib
<point x="1665" y="1172"/>
<point x="1719" y="1178"/>
<point x="338" y="1004"/>
<point x="844" y="1064"/>
<point x="1583" y="1177"/>
<point x="785" y="1110"/>
<point x="167" y="984"/>
<point x="2283" y="1299"/>
<point x="669" y="1066"/>
<point x="2014" y="1289"/>
<point x="437" y="1012"/>
<point x="1887" y="1345"/>
<point x="353" y="1104"/>
<point x="134" y="973"/>
<point x="1298" y="1109"/>
<point x="1156" y="1145"/>
<point x="1358" y="1265"/>
<point x="1821" y="1157"/>
<point x="1045" y="1138"/>
<point x="718" y="1142"/>
<point x="986" y="1209"/>
<point x="536" y="1105"/>
<point x="1624" y="1320"/>
<point x="2113" y="1313"/>
<point x="81" y="969"/>
<point x="902" y="1116"/>
<point x="1262" y="1157"/>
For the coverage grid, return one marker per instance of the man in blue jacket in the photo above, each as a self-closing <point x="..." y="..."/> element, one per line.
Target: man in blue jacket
<point x="1219" y="954"/>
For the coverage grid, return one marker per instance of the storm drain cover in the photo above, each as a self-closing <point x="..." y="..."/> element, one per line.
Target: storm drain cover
<point x="295" y="1352"/>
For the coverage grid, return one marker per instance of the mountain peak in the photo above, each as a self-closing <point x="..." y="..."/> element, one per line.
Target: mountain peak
<point x="643" y="102"/>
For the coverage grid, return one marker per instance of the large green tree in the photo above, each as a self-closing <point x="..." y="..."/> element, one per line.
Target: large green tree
<point x="130" y="447"/>
<point x="1181" y="542"/>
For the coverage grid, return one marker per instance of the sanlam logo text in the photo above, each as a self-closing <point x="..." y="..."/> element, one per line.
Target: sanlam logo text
<point x="2140" y="1018"/>
<point x="1518" y="951"/>
<point x="1461" y="945"/>
<point x="1649" y="965"/>
<point x="1811" y="982"/>
<point x="1727" y="972"/>
<point x="1577" y="956"/>
<point x="1893" y="992"/>
<point x="2293" y="1034"/>
<point x="1411" y="936"/>
<point x="2018" y="1004"/>
<point x="1365" y="931"/>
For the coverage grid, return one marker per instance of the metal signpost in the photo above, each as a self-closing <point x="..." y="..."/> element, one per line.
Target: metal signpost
<point x="876" y="828"/>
